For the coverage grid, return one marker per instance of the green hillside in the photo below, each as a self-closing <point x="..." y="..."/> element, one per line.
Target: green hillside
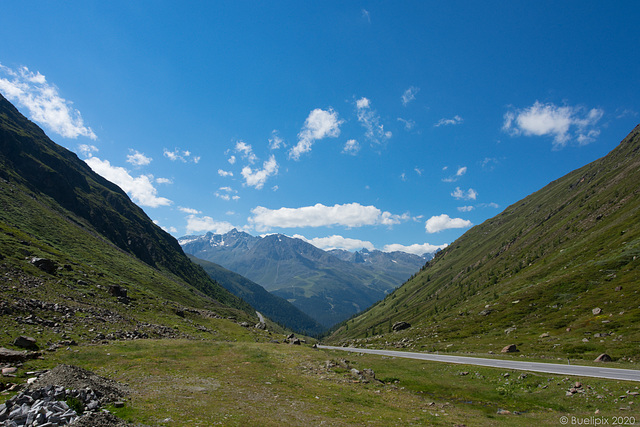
<point x="96" y="242"/>
<point x="275" y="308"/>
<point x="555" y="273"/>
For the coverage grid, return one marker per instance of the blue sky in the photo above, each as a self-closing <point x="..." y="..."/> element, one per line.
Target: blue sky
<point x="387" y="125"/>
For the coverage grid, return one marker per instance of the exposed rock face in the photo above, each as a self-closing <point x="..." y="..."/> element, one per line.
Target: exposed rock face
<point x="399" y="326"/>
<point x="604" y="357"/>
<point x="511" y="348"/>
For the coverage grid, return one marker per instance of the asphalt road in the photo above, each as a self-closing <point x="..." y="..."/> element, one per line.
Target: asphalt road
<point x="550" y="368"/>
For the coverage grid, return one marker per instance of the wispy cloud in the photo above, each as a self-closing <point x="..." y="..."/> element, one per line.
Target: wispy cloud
<point x="460" y="194"/>
<point x="456" y="120"/>
<point x="87" y="150"/>
<point x="140" y="188"/>
<point x="138" y="159"/>
<point x="276" y="142"/>
<point x="181" y="155"/>
<point x="44" y="103"/>
<point x="465" y="208"/>
<point x="370" y="120"/>
<point x="164" y="181"/>
<point x="318" y="125"/>
<point x="224" y="173"/>
<point x="366" y="15"/>
<point x="564" y="123"/>
<point x="459" y="173"/>
<point x="409" y="95"/>
<point x="347" y="215"/>
<point x="257" y="178"/>
<point x="189" y="210"/>
<point x="408" y="124"/>
<point x="444" y="222"/>
<point x="227" y="193"/>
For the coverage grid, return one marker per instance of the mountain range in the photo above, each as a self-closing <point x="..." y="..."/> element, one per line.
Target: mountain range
<point x="556" y="272"/>
<point x="329" y="286"/>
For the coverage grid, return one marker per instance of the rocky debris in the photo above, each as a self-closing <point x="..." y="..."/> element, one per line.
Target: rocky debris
<point x="618" y="288"/>
<point x="120" y="293"/>
<point x="261" y="326"/>
<point x="43" y="407"/>
<point x="503" y="412"/>
<point x="511" y="348"/>
<point x="399" y="326"/>
<point x="364" y="376"/>
<point x="485" y="312"/>
<point x="596" y="311"/>
<point x="245" y="324"/>
<point x="544" y="335"/>
<point x="28" y="343"/>
<point x="99" y="419"/>
<point x="604" y="357"/>
<point x="291" y="339"/>
<point x="7" y="355"/>
<point x="44" y="264"/>
<point x="510" y="329"/>
<point x="73" y="377"/>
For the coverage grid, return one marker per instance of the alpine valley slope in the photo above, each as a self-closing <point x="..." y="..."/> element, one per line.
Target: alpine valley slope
<point x="557" y="273"/>
<point x="328" y="286"/>
<point x="109" y="269"/>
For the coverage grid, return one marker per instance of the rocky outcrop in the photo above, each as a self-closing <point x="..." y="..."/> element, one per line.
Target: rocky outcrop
<point x="511" y="348"/>
<point x="399" y="326"/>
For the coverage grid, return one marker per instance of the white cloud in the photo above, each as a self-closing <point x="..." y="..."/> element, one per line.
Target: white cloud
<point x="183" y="156"/>
<point x="447" y="122"/>
<point x="415" y="249"/>
<point x="351" y="147"/>
<point x="227" y="193"/>
<point x="246" y="151"/>
<point x="370" y="120"/>
<point x="232" y="160"/>
<point x="465" y="208"/>
<point x="366" y="15"/>
<point x="459" y="194"/>
<point x="459" y="173"/>
<point x="138" y="159"/>
<point x="224" y="173"/>
<point x="205" y="224"/>
<point x="337" y="242"/>
<point x="562" y="123"/>
<point x="87" y="150"/>
<point x="189" y="210"/>
<point x="140" y="189"/>
<point x="164" y="181"/>
<point x="347" y="215"/>
<point x="444" y="222"/>
<point x="257" y="178"/>
<point x="418" y="170"/>
<point x="409" y="95"/>
<point x="275" y="141"/>
<point x="45" y="105"/>
<point x="318" y="125"/>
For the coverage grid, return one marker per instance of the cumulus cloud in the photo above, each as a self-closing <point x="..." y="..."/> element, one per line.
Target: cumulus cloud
<point x="44" y="103"/>
<point x="138" y="159"/>
<point x="257" y="178"/>
<point x="460" y="194"/>
<point x="246" y="151"/>
<point x="189" y="210"/>
<point x="318" y="125"/>
<point x="444" y="222"/>
<point x="319" y="215"/>
<point x="224" y="173"/>
<point x="415" y="249"/>
<point x="227" y="193"/>
<point x="164" y="181"/>
<point x="205" y="224"/>
<point x="337" y="242"/>
<point x="369" y="119"/>
<point x="351" y="147"/>
<point x="409" y="95"/>
<point x="139" y="188"/>
<point x="448" y="122"/>
<point x="564" y="123"/>
<point x="181" y="155"/>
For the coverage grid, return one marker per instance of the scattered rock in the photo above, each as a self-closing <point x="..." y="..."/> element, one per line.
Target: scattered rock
<point x="46" y="265"/>
<point x="618" y="288"/>
<point x="399" y="326"/>
<point x="7" y="355"/>
<point x="509" y="330"/>
<point x="544" y="335"/>
<point x="28" y="343"/>
<point x="117" y="291"/>
<point x="604" y="357"/>
<point x="485" y="312"/>
<point x="261" y="326"/>
<point x="596" y="311"/>
<point x="511" y="348"/>
<point x="100" y="419"/>
<point x="503" y="412"/>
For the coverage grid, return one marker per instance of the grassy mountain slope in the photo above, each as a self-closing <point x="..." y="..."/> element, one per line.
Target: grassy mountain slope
<point x="275" y="308"/>
<point x="562" y="262"/>
<point x="53" y="206"/>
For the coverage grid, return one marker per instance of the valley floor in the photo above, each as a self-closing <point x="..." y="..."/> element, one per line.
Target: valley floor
<point x="202" y="383"/>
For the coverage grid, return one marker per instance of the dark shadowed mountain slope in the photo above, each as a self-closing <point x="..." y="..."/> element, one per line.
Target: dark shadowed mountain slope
<point x="275" y="308"/>
<point x="556" y="271"/>
<point x="327" y="287"/>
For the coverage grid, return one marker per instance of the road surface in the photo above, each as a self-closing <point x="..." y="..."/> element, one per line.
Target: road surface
<point x="550" y="368"/>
